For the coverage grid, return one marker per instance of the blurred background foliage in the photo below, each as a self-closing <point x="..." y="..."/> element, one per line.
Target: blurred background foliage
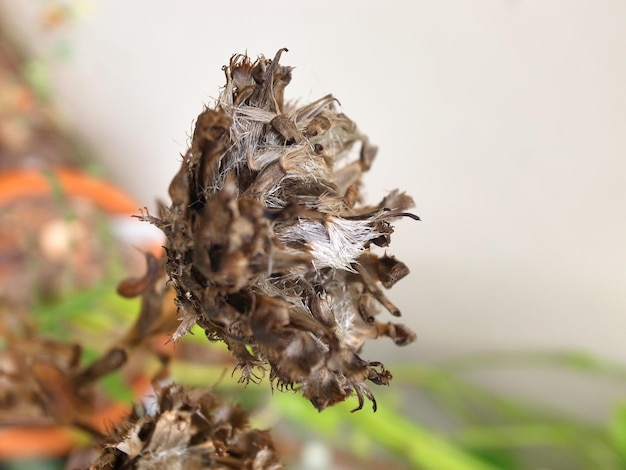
<point x="432" y="417"/>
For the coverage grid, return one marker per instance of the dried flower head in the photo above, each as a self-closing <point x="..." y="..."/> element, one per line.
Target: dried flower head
<point x="189" y="430"/>
<point x="268" y="246"/>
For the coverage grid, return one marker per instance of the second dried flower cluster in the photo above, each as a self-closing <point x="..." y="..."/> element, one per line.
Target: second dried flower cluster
<point x="269" y="245"/>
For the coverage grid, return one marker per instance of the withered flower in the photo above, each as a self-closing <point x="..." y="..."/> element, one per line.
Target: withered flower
<point x="268" y="244"/>
<point x="189" y="430"/>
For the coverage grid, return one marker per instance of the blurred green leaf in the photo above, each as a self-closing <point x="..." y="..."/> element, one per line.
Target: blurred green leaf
<point x="575" y="361"/>
<point x="116" y="389"/>
<point x="617" y="430"/>
<point x="86" y="308"/>
<point x="33" y="464"/>
<point x="528" y="435"/>
<point x="37" y="76"/>
<point x="389" y="429"/>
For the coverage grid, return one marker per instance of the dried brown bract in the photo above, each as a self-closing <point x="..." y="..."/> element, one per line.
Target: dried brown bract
<point x="268" y="247"/>
<point x="37" y="385"/>
<point x="189" y="430"/>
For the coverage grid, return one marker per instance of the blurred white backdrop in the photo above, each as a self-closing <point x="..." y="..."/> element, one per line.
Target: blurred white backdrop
<point x="506" y="121"/>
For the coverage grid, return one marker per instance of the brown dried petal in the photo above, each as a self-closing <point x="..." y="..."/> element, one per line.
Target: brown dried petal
<point x="133" y="287"/>
<point x="287" y="129"/>
<point x="317" y="126"/>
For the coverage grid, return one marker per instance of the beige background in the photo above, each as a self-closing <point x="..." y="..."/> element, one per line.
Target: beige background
<point x="504" y="119"/>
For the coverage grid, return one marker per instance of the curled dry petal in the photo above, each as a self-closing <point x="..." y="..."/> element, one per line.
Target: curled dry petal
<point x="268" y="246"/>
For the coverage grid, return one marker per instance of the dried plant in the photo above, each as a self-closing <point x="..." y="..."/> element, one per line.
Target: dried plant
<point x="189" y="430"/>
<point x="268" y="242"/>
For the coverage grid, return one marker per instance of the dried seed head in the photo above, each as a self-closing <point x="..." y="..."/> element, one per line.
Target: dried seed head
<point x="189" y="430"/>
<point x="268" y="247"/>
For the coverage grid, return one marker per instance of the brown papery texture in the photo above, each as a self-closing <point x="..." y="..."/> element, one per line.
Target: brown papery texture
<point x="269" y="244"/>
<point x="189" y="430"/>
